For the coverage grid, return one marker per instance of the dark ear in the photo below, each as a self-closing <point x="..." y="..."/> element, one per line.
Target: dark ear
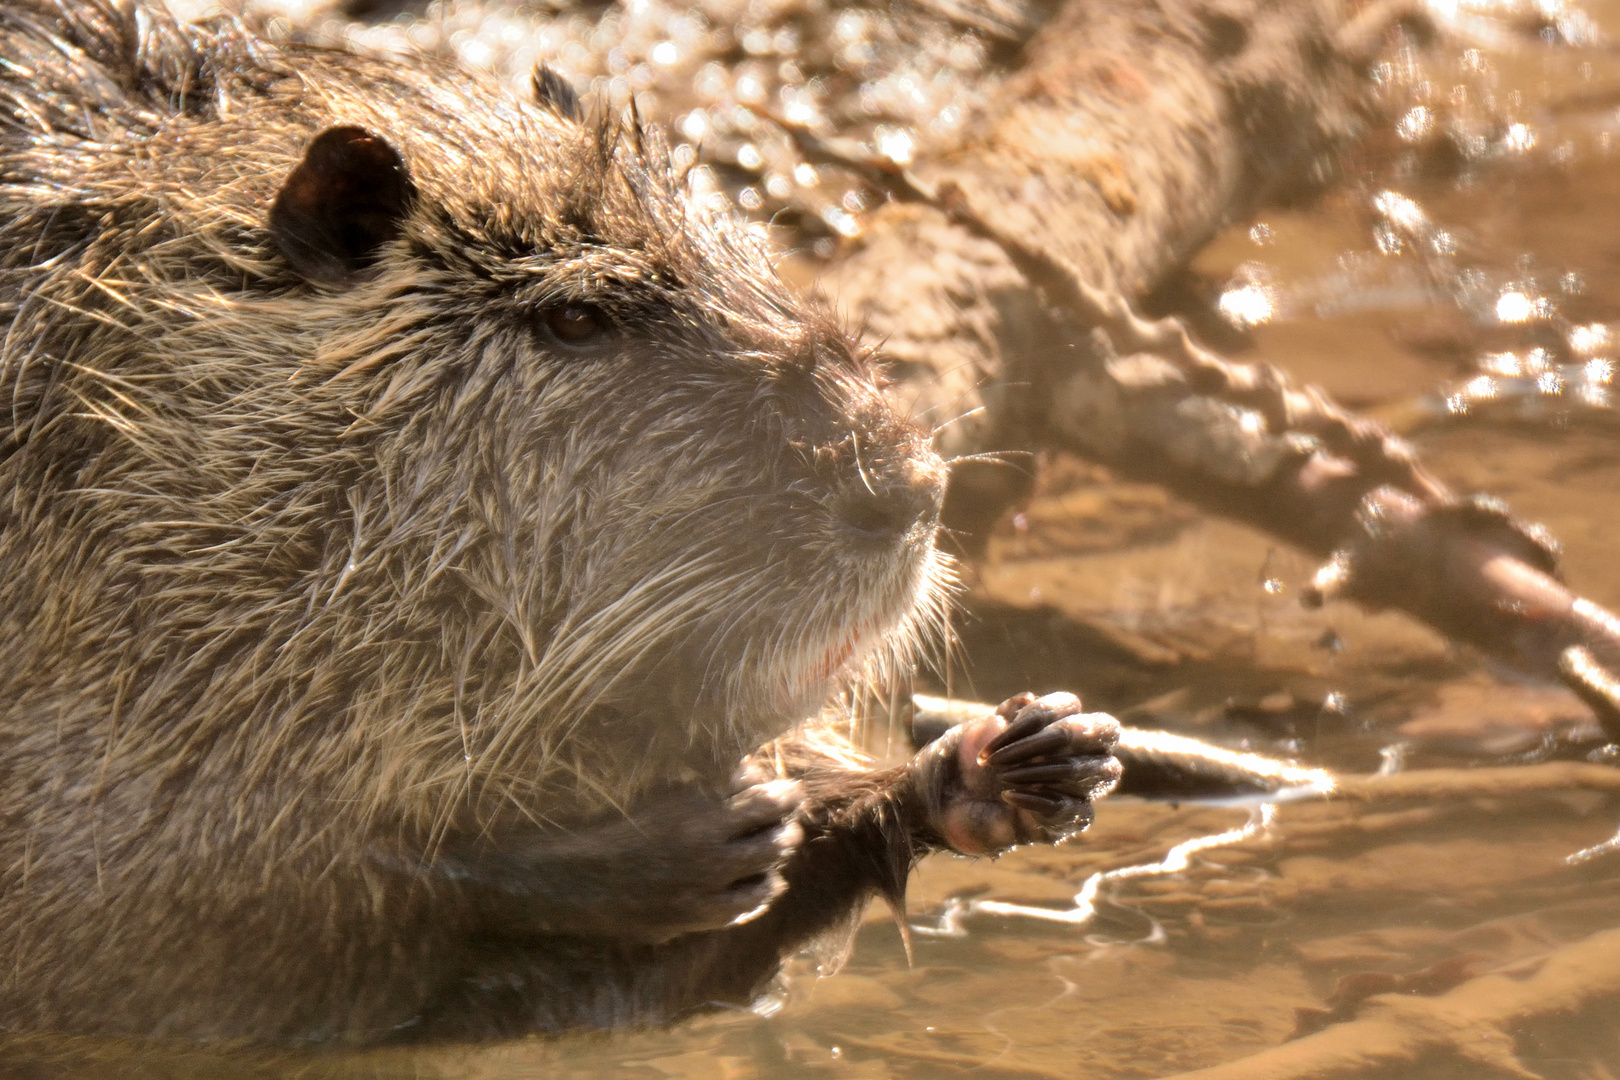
<point x="343" y="201"/>
<point x="552" y="91"/>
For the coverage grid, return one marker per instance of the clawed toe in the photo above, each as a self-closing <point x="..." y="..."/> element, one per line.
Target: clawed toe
<point x="1034" y="778"/>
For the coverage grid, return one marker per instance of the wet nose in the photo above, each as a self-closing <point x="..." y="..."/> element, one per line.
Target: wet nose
<point x="886" y="508"/>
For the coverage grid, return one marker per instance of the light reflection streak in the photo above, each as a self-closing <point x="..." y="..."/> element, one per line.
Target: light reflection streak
<point x="1176" y="860"/>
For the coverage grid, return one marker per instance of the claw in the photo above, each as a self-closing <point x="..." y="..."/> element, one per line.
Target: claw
<point x="1079" y="779"/>
<point x="1050" y="741"/>
<point x="1014" y="705"/>
<point x="1027" y="724"/>
<point x="1028" y="715"/>
<point x="1039" y="805"/>
<point x="1031" y="775"/>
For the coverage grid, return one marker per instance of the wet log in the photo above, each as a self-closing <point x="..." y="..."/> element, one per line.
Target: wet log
<point x="1003" y="279"/>
<point x="1130" y="134"/>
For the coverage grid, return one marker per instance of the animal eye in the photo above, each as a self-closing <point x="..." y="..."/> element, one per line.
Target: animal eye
<point x="575" y="324"/>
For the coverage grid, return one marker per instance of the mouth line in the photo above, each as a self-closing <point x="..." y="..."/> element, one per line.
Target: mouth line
<point x="835" y="656"/>
<point x="817" y="677"/>
<point x="851" y="640"/>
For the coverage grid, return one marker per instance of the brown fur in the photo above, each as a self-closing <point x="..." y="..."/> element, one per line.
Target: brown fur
<point x="374" y="661"/>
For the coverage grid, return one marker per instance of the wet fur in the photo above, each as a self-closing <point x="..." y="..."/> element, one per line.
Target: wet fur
<point x="309" y="584"/>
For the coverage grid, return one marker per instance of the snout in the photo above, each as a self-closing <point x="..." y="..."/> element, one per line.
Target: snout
<point x="895" y="503"/>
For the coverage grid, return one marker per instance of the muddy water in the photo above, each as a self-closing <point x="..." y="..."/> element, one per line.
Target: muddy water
<point x="1463" y="283"/>
<point x="1499" y="260"/>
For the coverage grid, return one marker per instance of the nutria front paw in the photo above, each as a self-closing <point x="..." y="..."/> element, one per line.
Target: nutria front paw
<point x="704" y="865"/>
<point x="683" y="861"/>
<point x="1027" y="774"/>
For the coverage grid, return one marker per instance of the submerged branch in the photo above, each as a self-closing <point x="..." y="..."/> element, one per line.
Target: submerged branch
<point x="1002" y="278"/>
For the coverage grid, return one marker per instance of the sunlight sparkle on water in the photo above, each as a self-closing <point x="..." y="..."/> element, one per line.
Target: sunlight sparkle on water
<point x="1415" y="124"/>
<point x="840" y="221"/>
<point x="1249" y="305"/>
<point x="799" y="111"/>
<point x="1589" y="339"/>
<point x="1519" y="138"/>
<point x="1514" y="307"/>
<point x="1401" y="212"/>
<point x="896" y="144"/>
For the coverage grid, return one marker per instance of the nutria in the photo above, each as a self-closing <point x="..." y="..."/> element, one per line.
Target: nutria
<point x="415" y="511"/>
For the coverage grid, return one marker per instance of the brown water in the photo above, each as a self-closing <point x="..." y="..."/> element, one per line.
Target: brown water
<point x="1477" y="307"/>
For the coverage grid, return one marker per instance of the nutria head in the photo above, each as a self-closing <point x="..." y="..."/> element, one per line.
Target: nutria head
<point x="377" y="438"/>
